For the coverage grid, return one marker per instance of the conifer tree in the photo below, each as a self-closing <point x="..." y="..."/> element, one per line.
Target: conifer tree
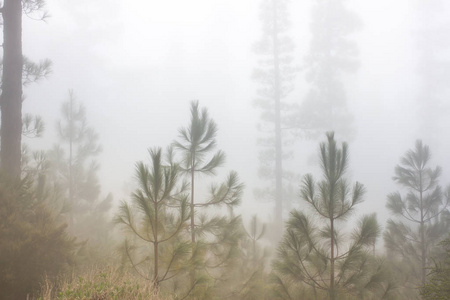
<point x="422" y="211"/>
<point x="332" y="54"/>
<point x="76" y="171"/>
<point x="195" y="143"/>
<point x="152" y="219"/>
<point x="216" y="236"/>
<point x="12" y="81"/>
<point x="274" y="75"/>
<point x="314" y="250"/>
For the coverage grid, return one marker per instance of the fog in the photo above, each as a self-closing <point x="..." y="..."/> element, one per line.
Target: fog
<point x="93" y="203"/>
<point x="137" y="65"/>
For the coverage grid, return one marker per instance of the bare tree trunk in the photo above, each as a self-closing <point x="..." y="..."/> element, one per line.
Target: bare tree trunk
<point x="278" y="143"/>
<point x="11" y="98"/>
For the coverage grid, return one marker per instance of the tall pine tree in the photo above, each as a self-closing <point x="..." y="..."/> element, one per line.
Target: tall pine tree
<point x="332" y="54"/>
<point x="13" y="71"/>
<point x="274" y="75"/>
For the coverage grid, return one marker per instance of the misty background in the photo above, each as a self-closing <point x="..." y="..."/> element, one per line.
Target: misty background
<point x="136" y="65"/>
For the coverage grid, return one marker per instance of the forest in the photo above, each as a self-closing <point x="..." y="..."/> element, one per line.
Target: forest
<point x="210" y="149"/>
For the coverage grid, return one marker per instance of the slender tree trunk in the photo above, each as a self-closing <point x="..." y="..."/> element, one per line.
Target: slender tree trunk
<point x="278" y="142"/>
<point x="192" y="272"/>
<point x="332" y="288"/>
<point x="71" y="137"/>
<point x="11" y="98"/>
<point x="254" y="252"/>
<point x="155" y="245"/>
<point x="192" y="200"/>
<point x="423" y="250"/>
<point x="422" y="234"/>
<point x="332" y="240"/>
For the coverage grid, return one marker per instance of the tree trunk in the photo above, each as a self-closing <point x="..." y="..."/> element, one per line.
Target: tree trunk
<point x="71" y="138"/>
<point x="278" y="143"/>
<point x="332" y="289"/>
<point x="192" y="200"/>
<point x="422" y="234"/>
<point x="192" y="271"/>
<point x="155" y="245"/>
<point x="11" y="98"/>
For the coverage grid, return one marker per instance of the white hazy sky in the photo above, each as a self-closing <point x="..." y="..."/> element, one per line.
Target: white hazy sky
<point x="136" y="65"/>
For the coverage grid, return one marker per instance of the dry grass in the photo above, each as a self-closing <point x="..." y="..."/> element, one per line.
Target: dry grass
<point x="100" y="285"/>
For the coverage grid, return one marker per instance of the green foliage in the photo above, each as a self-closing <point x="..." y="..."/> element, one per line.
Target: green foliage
<point x="33" y="243"/>
<point x="438" y="282"/>
<point x="195" y="143"/>
<point x="422" y="212"/>
<point x="156" y="220"/>
<point x="157" y="216"/>
<point x="214" y="238"/>
<point x="314" y="250"/>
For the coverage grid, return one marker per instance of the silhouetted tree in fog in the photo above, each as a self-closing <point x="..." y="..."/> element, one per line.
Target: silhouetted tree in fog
<point x="77" y="169"/>
<point x="13" y="70"/>
<point x="332" y="54"/>
<point x="274" y="75"/>
<point x="423" y="211"/>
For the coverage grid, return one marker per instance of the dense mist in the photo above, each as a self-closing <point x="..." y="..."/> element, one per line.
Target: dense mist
<point x="276" y="90"/>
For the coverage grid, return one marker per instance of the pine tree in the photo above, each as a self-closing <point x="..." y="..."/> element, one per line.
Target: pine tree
<point x="274" y="76"/>
<point x="152" y="218"/>
<point x="423" y="209"/>
<point x="13" y="71"/>
<point x="332" y="54"/>
<point x="215" y="236"/>
<point x="315" y="251"/>
<point x="196" y="142"/>
<point x="78" y="169"/>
